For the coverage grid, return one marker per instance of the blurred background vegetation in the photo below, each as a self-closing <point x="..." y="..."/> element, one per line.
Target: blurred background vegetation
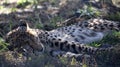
<point x="48" y="15"/>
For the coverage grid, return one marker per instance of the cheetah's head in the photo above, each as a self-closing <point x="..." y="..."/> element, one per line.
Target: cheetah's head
<point x="23" y="36"/>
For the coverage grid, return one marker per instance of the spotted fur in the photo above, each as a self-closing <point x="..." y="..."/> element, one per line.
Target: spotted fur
<point x="70" y="38"/>
<point x="100" y="25"/>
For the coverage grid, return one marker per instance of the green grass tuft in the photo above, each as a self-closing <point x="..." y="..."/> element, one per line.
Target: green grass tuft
<point x="112" y="39"/>
<point x="3" y="45"/>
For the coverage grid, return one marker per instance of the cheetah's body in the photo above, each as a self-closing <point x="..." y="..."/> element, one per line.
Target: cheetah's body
<point x="70" y="38"/>
<point x="76" y="34"/>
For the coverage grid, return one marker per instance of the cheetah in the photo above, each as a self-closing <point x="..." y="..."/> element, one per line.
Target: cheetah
<point x="73" y="38"/>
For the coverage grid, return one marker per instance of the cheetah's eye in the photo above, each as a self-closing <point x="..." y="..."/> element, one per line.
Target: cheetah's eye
<point x="22" y="29"/>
